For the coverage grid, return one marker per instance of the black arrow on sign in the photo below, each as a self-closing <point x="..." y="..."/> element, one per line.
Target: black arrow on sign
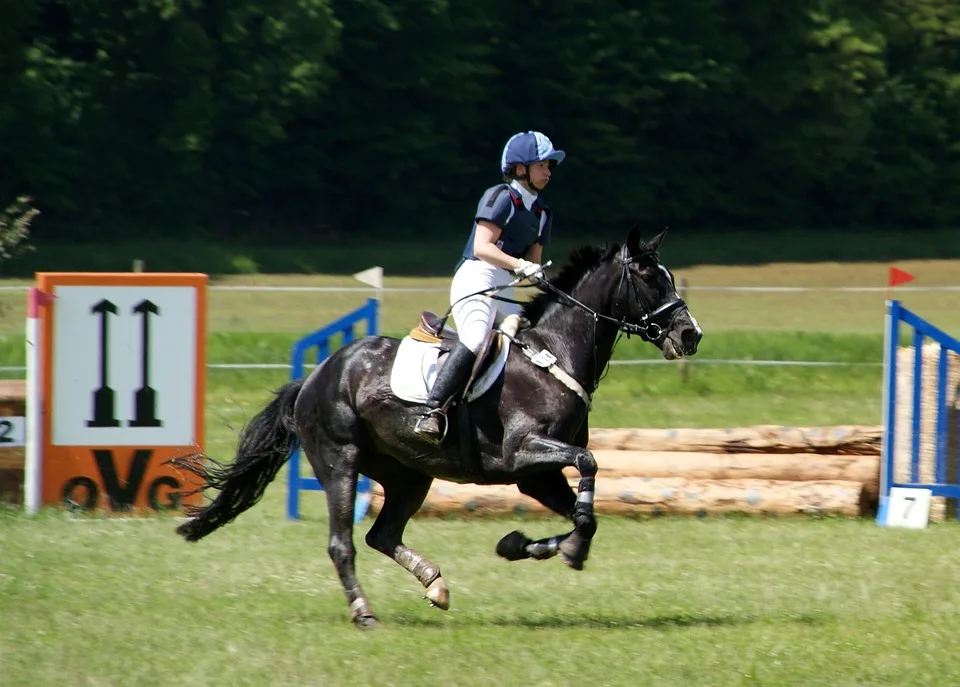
<point x="145" y="400"/>
<point x="104" y="406"/>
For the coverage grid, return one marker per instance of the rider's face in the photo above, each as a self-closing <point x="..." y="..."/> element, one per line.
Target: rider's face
<point x="539" y="175"/>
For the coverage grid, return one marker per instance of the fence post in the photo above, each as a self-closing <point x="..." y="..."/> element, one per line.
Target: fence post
<point x="682" y="363"/>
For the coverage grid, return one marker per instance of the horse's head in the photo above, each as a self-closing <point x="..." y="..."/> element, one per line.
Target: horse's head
<point x="647" y="298"/>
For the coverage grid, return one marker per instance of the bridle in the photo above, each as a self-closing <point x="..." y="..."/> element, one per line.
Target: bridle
<point x="650" y="327"/>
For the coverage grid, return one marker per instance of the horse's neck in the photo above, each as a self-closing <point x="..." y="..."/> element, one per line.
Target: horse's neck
<point x="582" y="345"/>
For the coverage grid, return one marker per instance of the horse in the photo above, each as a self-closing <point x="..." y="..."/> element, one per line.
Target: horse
<point x="529" y="425"/>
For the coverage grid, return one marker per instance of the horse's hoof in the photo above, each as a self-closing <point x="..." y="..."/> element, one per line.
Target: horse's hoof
<point x="513" y="546"/>
<point x="575" y="563"/>
<point x="366" y="622"/>
<point x="574" y="551"/>
<point x="438" y="595"/>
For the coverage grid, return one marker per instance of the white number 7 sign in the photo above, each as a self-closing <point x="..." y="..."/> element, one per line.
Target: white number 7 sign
<point x="908" y="507"/>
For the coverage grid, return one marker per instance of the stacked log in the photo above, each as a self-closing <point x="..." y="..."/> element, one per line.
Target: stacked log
<point x="769" y="467"/>
<point x="762" y="470"/>
<point x="841" y="439"/>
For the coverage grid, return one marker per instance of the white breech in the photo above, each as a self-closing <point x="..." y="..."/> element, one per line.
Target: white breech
<point x="476" y="316"/>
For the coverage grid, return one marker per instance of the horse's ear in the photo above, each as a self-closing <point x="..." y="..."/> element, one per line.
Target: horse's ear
<point x="633" y="240"/>
<point x="654" y="243"/>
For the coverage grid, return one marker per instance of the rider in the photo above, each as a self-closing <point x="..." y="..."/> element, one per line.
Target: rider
<point x="511" y="226"/>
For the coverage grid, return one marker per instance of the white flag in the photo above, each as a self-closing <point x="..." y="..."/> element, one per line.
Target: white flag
<point x="372" y="276"/>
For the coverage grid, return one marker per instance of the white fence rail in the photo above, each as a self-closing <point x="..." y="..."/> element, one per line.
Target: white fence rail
<point x="400" y="289"/>
<point x="656" y="361"/>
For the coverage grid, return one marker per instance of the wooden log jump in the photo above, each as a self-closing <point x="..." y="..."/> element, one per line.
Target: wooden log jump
<point x="791" y="467"/>
<point x="638" y="496"/>
<point x="759" y="469"/>
<point x="842" y="439"/>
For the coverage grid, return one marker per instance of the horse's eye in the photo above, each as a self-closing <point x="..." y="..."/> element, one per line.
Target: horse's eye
<point x="648" y="277"/>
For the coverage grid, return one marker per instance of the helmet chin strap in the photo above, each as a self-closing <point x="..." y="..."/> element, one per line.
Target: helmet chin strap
<point x="526" y="178"/>
<point x="532" y="187"/>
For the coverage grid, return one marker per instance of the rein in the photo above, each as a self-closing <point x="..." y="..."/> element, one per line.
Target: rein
<point x="647" y="328"/>
<point x="492" y="291"/>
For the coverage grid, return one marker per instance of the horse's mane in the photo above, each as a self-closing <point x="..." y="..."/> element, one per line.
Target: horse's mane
<point x="581" y="261"/>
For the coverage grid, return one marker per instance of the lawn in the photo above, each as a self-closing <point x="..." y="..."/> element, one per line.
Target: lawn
<point x="711" y="602"/>
<point x="717" y="601"/>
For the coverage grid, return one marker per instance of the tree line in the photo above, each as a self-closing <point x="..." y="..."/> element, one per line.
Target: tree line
<point x="321" y="119"/>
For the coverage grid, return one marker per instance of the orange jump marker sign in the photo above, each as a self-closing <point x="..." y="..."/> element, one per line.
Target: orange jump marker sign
<point x="122" y="377"/>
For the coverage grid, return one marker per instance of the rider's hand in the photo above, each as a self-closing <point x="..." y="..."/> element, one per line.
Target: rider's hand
<point x="528" y="270"/>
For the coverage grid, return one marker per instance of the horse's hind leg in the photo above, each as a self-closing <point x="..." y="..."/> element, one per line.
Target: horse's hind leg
<point x="552" y="490"/>
<point x="403" y="493"/>
<point x="335" y="467"/>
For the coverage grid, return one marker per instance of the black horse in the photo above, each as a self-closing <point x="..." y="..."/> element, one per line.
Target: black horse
<point x="525" y="430"/>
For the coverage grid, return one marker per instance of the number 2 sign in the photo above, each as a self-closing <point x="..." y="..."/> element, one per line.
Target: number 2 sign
<point x="123" y="372"/>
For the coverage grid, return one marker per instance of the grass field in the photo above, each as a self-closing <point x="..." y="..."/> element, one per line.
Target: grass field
<point x="813" y="311"/>
<point x="711" y="602"/>
<point x="714" y="602"/>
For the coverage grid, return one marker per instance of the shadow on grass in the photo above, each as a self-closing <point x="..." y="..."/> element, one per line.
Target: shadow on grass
<point x="603" y="622"/>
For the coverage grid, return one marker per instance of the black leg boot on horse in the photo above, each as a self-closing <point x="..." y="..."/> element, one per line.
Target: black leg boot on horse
<point x="452" y="376"/>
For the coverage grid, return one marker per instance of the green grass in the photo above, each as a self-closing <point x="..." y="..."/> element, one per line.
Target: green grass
<point x="652" y="395"/>
<point x="833" y="312"/>
<point x="274" y="347"/>
<point x="721" y="396"/>
<point x="718" y="601"/>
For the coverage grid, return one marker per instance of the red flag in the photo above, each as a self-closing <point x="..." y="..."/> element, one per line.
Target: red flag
<point x="898" y="276"/>
<point x="37" y="299"/>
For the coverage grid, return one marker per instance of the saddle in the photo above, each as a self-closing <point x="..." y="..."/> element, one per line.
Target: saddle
<point x="433" y="330"/>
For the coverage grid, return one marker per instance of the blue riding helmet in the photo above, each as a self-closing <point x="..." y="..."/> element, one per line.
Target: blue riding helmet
<point x="528" y="148"/>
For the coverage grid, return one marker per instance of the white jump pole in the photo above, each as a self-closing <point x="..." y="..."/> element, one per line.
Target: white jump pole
<point x="34" y="402"/>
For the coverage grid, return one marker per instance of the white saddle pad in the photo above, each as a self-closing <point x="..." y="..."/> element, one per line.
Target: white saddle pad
<point x="415" y="370"/>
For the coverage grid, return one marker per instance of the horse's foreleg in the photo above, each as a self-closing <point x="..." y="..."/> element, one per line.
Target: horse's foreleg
<point x="550" y="489"/>
<point x="402" y="497"/>
<point x="543" y="452"/>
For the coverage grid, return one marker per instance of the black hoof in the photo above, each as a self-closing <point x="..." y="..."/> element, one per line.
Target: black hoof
<point x="574" y="552"/>
<point x="575" y="563"/>
<point x="513" y="546"/>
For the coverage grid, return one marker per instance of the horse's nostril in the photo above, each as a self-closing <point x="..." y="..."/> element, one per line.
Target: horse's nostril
<point x="690" y="338"/>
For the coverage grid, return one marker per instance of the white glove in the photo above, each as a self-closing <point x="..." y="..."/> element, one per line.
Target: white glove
<point x="528" y="270"/>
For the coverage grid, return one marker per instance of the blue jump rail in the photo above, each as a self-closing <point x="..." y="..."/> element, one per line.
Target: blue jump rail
<point x="320" y="340"/>
<point x="897" y="313"/>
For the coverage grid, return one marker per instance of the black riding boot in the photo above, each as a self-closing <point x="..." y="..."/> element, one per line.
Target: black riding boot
<point x="450" y="380"/>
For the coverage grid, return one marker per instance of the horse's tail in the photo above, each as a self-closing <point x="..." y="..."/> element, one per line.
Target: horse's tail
<point x="264" y="447"/>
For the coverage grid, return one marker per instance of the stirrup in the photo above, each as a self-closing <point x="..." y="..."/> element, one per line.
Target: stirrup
<point x="441" y="423"/>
